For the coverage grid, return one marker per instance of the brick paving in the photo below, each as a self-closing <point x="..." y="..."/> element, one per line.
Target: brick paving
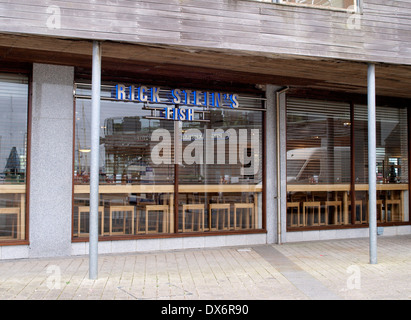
<point x="337" y="269"/>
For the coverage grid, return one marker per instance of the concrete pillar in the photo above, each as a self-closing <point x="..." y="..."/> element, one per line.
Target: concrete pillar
<point x="51" y="165"/>
<point x="272" y="165"/>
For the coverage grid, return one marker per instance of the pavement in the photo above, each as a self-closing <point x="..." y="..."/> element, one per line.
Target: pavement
<point x="320" y="270"/>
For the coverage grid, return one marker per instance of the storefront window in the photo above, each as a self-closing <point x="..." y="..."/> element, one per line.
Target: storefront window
<point x="169" y="168"/>
<point x="392" y="163"/>
<point x="335" y="4"/>
<point x="323" y="160"/>
<point x="318" y="163"/>
<point x="225" y="172"/>
<point x="13" y="156"/>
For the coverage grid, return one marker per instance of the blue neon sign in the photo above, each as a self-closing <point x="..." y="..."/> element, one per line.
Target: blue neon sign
<point x="185" y="97"/>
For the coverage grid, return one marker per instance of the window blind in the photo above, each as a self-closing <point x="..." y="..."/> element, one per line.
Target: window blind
<point x="318" y="141"/>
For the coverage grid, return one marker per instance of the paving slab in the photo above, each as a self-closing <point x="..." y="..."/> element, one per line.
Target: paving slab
<point x="317" y="270"/>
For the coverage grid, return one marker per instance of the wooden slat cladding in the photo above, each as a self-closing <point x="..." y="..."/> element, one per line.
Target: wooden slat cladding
<point x="196" y="67"/>
<point x="384" y="33"/>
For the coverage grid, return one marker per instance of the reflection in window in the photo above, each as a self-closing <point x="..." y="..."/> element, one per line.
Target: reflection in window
<point x="318" y="163"/>
<point x="318" y="142"/>
<point x="226" y="175"/>
<point x="218" y="163"/>
<point x="392" y="144"/>
<point x="320" y="157"/>
<point x="136" y="193"/>
<point x="125" y="145"/>
<point x="392" y="161"/>
<point x="13" y="155"/>
<point x="341" y="4"/>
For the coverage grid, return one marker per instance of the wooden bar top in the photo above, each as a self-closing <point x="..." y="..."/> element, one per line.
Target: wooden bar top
<point x="12" y="188"/>
<point x="344" y="187"/>
<point x="128" y="188"/>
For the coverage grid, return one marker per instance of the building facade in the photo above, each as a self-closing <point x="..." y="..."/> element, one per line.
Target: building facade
<point x="224" y="122"/>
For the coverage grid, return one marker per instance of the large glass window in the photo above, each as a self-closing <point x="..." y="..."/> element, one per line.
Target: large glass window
<point x="340" y="4"/>
<point x="318" y="163"/>
<point x="13" y="156"/>
<point x="392" y="163"/>
<point x="164" y="176"/>
<point x="327" y="164"/>
<point x="222" y="164"/>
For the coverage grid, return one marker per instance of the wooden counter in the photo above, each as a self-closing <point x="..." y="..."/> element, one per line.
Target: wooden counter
<point x="13" y="188"/>
<point x="344" y="187"/>
<point x="184" y="188"/>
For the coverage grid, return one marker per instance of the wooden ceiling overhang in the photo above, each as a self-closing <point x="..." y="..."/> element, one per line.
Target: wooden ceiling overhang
<point x="197" y="67"/>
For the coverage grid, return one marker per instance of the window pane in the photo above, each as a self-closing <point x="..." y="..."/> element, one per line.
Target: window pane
<point x="318" y="142"/>
<point x="221" y="172"/>
<point x="219" y="156"/>
<point x="318" y="163"/>
<point x="13" y="155"/>
<point x="136" y="170"/>
<point x="392" y="161"/>
<point x="343" y="4"/>
<point x="125" y="144"/>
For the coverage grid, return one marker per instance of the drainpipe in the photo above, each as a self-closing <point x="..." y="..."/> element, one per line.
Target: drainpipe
<point x="372" y="193"/>
<point x="278" y="150"/>
<point x="94" y="163"/>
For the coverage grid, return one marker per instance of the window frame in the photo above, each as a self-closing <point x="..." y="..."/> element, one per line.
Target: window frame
<point x="26" y="70"/>
<point x="177" y="186"/>
<point x="354" y="102"/>
<point x="354" y="10"/>
<point x="358" y="4"/>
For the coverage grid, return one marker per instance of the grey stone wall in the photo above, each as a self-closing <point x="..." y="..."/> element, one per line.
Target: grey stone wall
<point x="51" y="161"/>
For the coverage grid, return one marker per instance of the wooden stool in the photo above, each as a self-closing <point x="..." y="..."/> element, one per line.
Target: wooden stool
<point x="123" y="209"/>
<point x="338" y="216"/>
<point x="13" y="211"/>
<point x="157" y="208"/>
<point x="395" y="215"/>
<point x="359" y="203"/>
<point x="86" y="209"/>
<point x="380" y="216"/>
<point x="291" y="206"/>
<point x="249" y="206"/>
<point x="313" y="205"/>
<point x="193" y="207"/>
<point x="226" y="213"/>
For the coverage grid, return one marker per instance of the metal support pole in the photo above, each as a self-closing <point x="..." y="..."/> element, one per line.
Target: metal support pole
<point x="94" y="164"/>
<point x="372" y="193"/>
